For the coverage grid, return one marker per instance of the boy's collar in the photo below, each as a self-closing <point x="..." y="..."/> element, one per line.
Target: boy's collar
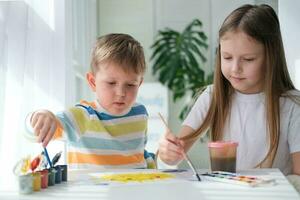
<point x="91" y="104"/>
<point x="100" y="109"/>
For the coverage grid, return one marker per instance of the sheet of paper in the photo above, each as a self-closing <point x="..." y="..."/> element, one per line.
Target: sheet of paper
<point x="140" y="177"/>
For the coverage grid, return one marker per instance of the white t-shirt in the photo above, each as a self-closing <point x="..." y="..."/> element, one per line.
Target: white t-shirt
<point x="247" y="126"/>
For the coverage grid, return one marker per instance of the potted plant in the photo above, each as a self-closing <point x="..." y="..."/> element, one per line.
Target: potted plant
<point x="178" y="60"/>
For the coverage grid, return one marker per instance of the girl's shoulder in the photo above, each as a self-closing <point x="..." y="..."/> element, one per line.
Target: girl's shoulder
<point x="205" y="93"/>
<point x="292" y="92"/>
<point x="204" y="96"/>
<point x="207" y="90"/>
<point x="291" y="98"/>
<point x="292" y="95"/>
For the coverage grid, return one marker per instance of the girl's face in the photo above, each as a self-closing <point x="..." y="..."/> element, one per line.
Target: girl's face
<point x="116" y="90"/>
<point x="242" y="62"/>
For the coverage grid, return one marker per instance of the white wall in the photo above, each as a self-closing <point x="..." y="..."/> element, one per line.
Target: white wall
<point x="82" y="31"/>
<point x="134" y="17"/>
<point x="289" y="17"/>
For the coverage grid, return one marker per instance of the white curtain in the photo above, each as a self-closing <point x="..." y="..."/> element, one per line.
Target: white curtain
<point x="32" y="73"/>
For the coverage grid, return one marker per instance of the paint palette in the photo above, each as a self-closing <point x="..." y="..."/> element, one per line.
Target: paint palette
<point x="234" y="178"/>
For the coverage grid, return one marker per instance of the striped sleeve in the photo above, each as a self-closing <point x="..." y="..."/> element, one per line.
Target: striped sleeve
<point x="68" y="128"/>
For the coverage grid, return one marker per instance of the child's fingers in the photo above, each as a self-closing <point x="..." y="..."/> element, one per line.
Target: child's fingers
<point x="181" y="143"/>
<point x="47" y="123"/>
<point x="49" y="135"/>
<point x="38" y="126"/>
<point x="173" y="147"/>
<point x="170" y="156"/>
<point x="173" y="139"/>
<point x="34" y="120"/>
<point x="168" y="145"/>
<point x="169" y="152"/>
<point x="38" y="115"/>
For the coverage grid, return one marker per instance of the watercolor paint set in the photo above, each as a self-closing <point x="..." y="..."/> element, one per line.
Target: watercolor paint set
<point x="33" y="175"/>
<point x="234" y="178"/>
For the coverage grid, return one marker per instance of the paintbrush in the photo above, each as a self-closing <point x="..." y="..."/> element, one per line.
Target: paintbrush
<point x="56" y="158"/>
<point x="47" y="157"/>
<point x="184" y="154"/>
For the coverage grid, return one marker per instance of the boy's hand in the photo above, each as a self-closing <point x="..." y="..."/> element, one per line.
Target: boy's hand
<point x="170" y="149"/>
<point x="44" y="125"/>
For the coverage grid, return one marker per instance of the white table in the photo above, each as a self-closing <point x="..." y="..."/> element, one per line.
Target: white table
<point x="159" y="190"/>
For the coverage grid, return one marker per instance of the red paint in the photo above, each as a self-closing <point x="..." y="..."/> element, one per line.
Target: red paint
<point x="44" y="178"/>
<point x="35" y="163"/>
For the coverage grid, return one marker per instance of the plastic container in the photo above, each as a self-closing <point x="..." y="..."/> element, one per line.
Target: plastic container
<point x="64" y="170"/>
<point x="223" y="156"/>
<point x="58" y="175"/>
<point x="36" y="181"/>
<point x="44" y="178"/>
<point x="51" y="176"/>
<point x="25" y="184"/>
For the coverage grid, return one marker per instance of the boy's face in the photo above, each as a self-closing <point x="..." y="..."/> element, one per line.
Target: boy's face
<point x="116" y="89"/>
<point x="242" y="62"/>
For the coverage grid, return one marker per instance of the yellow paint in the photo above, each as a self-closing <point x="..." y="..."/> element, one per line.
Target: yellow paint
<point x="36" y="181"/>
<point x="25" y="166"/>
<point x="136" y="177"/>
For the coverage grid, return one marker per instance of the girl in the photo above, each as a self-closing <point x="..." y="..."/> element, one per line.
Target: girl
<point x="252" y="99"/>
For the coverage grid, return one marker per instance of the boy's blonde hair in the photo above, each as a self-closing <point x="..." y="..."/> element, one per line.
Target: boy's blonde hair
<point x="121" y="49"/>
<point x="262" y="24"/>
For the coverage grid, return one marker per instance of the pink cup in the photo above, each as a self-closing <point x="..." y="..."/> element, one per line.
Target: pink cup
<point x="223" y="155"/>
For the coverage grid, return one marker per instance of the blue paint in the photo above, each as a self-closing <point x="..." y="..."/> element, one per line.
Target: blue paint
<point x="58" y="175"/>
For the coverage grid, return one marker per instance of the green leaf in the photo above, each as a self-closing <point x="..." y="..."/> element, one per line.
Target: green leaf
<point x="178" y="59"/>
<point x="199" y="43"/>
<point x="159" y="50"/>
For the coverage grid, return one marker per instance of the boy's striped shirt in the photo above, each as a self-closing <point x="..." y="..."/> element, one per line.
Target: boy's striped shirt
<point x="99" y="140"/>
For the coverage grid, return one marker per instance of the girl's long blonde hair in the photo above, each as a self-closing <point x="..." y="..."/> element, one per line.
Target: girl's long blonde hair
<point x="262" y="24"/>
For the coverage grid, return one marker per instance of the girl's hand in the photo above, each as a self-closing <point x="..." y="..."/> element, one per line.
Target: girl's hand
<point x="44" y="125"/>
<point x="170" y="149"/>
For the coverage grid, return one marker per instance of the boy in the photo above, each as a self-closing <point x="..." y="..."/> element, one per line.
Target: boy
<point x="111" y="131"/>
